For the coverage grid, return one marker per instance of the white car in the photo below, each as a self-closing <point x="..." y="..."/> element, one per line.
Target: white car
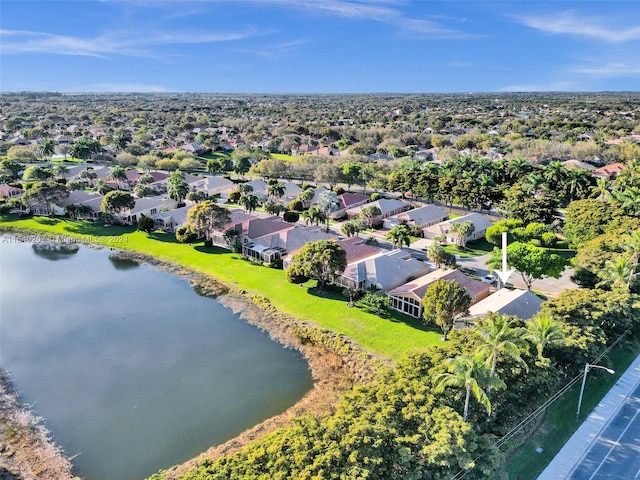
<point x="489" y="279"/>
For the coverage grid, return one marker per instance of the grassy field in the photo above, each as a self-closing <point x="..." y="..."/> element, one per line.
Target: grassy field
<point x="560" y="420"/>
<point x="282" y="156"/>
<point x="387" y="337"/>
<point x="473" y="249"/>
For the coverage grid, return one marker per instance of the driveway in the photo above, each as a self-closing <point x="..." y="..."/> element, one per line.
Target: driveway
<point x="551" y="287"/>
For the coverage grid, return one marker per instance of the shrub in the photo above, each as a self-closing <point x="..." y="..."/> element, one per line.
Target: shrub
<point x="291" y="217"/>
<point x="185" y="235"/>
<point x="339" y="190"/>
<point x="145" y="224"/>
<point x="375" y="196"/>
<point x="294" y="277"/>
<point x="296" y="205"/>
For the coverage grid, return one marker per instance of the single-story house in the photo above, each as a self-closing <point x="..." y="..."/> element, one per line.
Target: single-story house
<point x="609" y="172"/>
<point x="407" y="298"/>
<point x="419" y="217"/>
<point x="348" y="201"/>
<point x="9" y="191"/>
<point x="90" y="200"/>
<point x="148" y="207"/>
<point x="238" y="218"/>
<point x="211" y="185"/>
<point x="524" y="304"/>
<point x="171" y="220"/>
<point x="443" y="229"/>
<point x="383" y="272"/>
<point x="388" y="207"/>
<point x="357" y="249"/>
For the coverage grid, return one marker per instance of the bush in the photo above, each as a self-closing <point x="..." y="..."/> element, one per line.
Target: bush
<point x="234" y="196"/>
<point x="146" y="224"/>
<point x="339" y="190"/>
<point x="375" y="196"/>
<point x="294" y="277"/>
<point x="291" y="217"/>
<point x="185" y="235"/>
<point x="295" y="205"/>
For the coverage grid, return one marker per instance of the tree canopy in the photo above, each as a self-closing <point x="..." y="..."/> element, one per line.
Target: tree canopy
<point x="321" y="260"/>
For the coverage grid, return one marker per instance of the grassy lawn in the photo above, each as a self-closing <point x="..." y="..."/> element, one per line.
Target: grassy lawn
<point x="474" y="249"/>
<point x="282" y="156"/>
<point x="389" y="337"/>
<point x="560" y="421"/>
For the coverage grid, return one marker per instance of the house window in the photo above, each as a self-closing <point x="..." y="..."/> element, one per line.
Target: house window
<point x="154" y="211"/>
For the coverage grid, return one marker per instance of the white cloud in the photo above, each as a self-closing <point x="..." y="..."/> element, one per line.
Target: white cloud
<point x="277" y="50"/>
<point x="112" y="43"/>
<point x="609" y="30"/>
<point x="375" y="10"/>
<point x="610" y="70"/>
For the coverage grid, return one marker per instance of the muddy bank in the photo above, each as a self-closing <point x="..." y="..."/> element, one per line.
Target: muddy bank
<point x="26" y="450"/>
<point x="336" y="363"/>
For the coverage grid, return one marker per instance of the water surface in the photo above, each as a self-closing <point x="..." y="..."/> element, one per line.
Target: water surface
<point x="132" y="370"/>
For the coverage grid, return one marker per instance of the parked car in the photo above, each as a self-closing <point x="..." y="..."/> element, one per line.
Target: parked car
<point x="489" y="279"/>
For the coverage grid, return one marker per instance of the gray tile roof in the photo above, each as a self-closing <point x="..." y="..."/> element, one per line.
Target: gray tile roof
<point x="524" y="304"/>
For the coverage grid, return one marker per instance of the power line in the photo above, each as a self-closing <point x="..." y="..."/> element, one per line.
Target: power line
<point x="511" y="433"/>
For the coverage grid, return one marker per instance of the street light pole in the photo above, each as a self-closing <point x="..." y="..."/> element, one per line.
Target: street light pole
<point x="588" y="367"/>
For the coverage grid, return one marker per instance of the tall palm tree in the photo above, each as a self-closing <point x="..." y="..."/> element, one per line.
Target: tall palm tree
<point x="473" y="375"/>
<point x="577" y="184"/>
<point x="399" y="235"/>
<point x="501" y="338"/>
<point x="249" y="201"/>
<point x="618" y="272"/>
<point x="436" y="253"/>
<point x="543" y="331"/>
<point x="118" y="174"/>
<point x="532" y="183"/>
<point x="555" y="174"/>
<point x="102" y="187"/>
<point x="276" y="190"/>
<point x="602" y="189"/>
<point x="60" y="170"/>
<point x="518" y="168"/>
<point x="46" y="149"/>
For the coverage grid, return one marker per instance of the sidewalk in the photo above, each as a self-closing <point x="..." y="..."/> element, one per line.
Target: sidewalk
<point x="577" y="446"/>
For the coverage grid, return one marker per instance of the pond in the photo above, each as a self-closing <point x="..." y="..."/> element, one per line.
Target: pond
<point x="131" y="368"/>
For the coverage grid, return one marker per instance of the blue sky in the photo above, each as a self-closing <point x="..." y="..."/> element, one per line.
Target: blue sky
<point x="319" y="46"/>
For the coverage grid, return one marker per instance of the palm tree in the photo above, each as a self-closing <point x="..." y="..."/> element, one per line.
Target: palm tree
<point x="436" y="253"/>
<point x="46" y="149"/>
<point x="532" y="183"/>
<point x="249" y="201"/>
<point x="102" y="187"/>
<point x="60" y="170"/>
<point x="577" y="183"/>
<point x="543" y="331"/>
<point x="118" y="174"/>
<point x="89" y="174"/>
<point x="518" y="168"/>
<point x="399" y="235"/>
<point x="276" y="190"/>
<point x="473" y="375"/>
<point x="555" y="174"/>
<point x="502" y="338"/>
<point x="602" y="189"/>
<point x="618" y="272"/>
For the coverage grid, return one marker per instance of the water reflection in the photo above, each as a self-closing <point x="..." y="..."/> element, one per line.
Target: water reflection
<point x="55" y="251"/>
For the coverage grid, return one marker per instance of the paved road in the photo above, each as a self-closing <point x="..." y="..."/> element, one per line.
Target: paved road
<point x="616" y="452"/>
<point x="607" y="444"/>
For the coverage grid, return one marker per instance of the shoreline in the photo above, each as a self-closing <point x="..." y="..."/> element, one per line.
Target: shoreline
<point x="337" y="363"/>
